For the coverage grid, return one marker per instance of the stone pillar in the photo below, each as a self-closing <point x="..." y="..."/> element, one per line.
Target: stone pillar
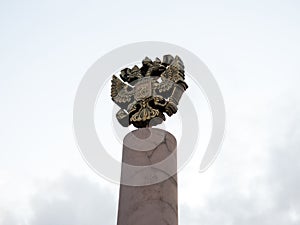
<point x="154" y="204"/>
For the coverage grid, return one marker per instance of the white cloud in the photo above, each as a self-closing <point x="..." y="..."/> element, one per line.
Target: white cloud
<point x="72" y="200"/>
<point x="252" y="49"/>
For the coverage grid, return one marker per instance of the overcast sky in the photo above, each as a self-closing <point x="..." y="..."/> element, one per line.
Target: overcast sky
<point x="251" y="47"/>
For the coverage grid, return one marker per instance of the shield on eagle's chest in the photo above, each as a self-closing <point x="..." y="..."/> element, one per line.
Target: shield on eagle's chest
<point x="143" y="89"/>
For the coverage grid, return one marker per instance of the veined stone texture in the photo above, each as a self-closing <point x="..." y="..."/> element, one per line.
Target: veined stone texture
<point x="154" y="204"/>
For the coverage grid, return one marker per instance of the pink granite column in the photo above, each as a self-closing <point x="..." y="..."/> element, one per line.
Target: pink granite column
<point x="154" y="204"/>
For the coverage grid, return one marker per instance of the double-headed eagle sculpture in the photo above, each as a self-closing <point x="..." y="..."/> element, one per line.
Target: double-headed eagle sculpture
<point x="153" y="89"/>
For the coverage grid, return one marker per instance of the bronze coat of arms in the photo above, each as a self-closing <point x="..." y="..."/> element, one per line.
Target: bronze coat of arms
<point x="149" y="91"/>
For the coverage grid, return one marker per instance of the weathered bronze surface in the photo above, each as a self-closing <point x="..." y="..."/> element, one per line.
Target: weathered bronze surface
<point x="151" y="90"/>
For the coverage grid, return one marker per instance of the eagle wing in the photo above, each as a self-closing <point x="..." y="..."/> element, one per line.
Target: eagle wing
<point x="121" y="93"/>
<point x="175" y="72"/>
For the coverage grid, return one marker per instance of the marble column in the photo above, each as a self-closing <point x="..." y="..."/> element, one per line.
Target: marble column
<point x="155" y="202"/>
